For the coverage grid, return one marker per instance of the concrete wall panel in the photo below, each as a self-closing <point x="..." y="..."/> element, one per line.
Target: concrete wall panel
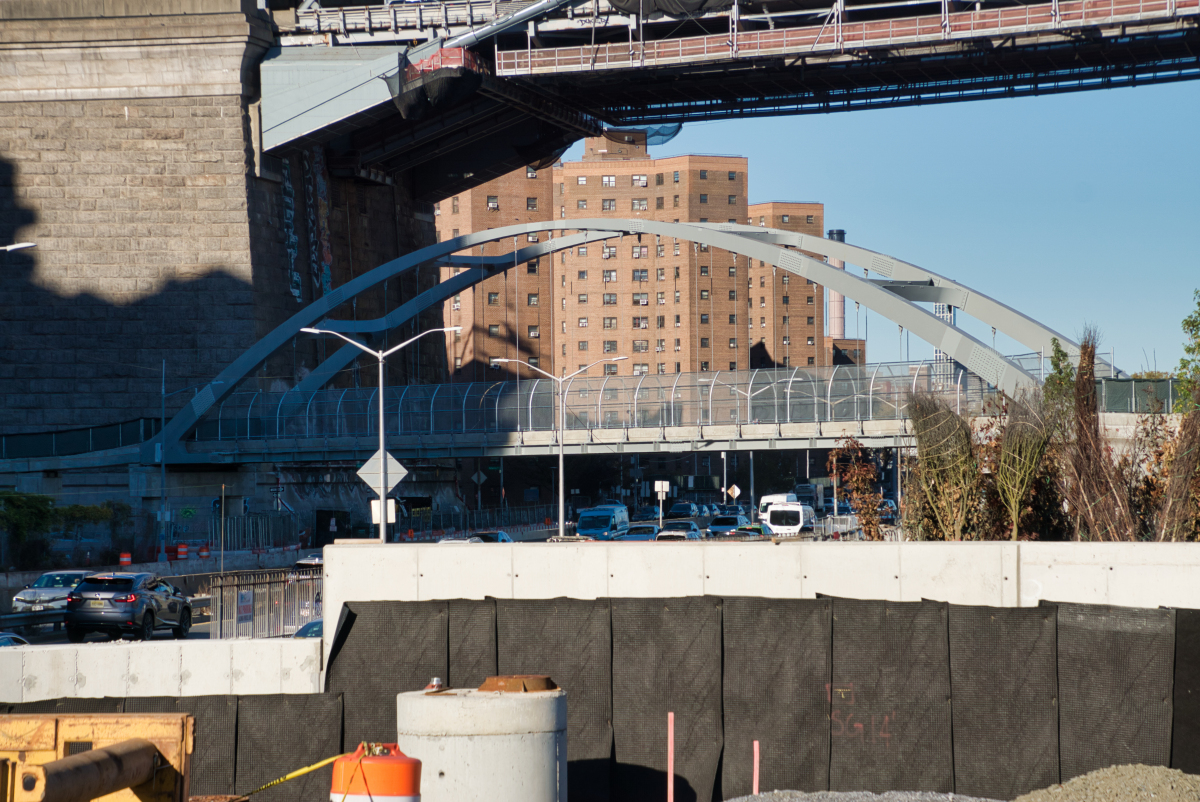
<point x="154" y="669"/>
<point x="546" y="571"/>
<point x="103" y="669"/>
<point x="972" y="572"/>
<point x="204" y="668"/>
<point x="254" y="666"/>
<point x="655" y="569"/>
<point x="300" y="665"/>
<point x="48" y="672"/>
<point x="11" y="675"/>
<point x="851" y="570"/>
<point x="753" y="569"/>
<point x="470" y="571"/>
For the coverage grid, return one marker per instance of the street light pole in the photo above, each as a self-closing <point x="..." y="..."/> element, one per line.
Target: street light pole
<point x="562" y="427"/>
<point x="18" y="246"/>
<point x="381" y="356"/>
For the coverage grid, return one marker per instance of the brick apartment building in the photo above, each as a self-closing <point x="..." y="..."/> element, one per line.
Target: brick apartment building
<point x="668" y="305"/>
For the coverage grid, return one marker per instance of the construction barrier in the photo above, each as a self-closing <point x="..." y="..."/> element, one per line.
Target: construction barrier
<point x="126" y="559"/>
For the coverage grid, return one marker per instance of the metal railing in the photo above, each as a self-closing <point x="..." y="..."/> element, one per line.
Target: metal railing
<point x="255" y="531"/>
<point x="768" y="396"/>
<point x="426" y="520"/>
<point x="835" y="35"/>
<point x="68" y="442"/>
<point x="270" y="604"/>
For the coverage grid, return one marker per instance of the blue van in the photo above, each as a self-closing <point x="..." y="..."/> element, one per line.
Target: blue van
<point x="603" y="522"/>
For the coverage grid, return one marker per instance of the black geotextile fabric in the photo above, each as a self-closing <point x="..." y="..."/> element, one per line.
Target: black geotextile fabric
<point x="1003" y="674"/>
<point x="890" y="697"/>
<point x="666" y="658"/>
<point x="214" y="754"/>
<point x="381" y="649"/>
<point x="472" y="631"/>
<point x="571" y="640"/>
<point x="1115" y="672"/>
<point x="1185" y="731"/>
<point x="777" y="664"/>
<point x="280" y="733"/>
<point x="107" y="704"/>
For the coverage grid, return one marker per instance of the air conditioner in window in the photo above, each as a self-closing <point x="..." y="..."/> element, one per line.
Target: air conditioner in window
<point x="455" y="307"/>
<point x="660" y="348"/>
<point x="604" y="256"/>
<point x="644" y="302"/>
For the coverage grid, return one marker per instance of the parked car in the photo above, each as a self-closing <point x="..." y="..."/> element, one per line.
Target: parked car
<point x="639" y="532"/>
<point x="646" y="514"/>
<point x="754" y="530"/>
<point x="603" y="522"/>
<point x="768" y="500"/>
<point x="11" y="639"/>
<point x="313" y="629"/>
<point x="726" y="524"/>
<point x="494" y="536"/>
<point x="126" y="604"/>
<point x="683" y="509"/>
<point x="48" y="592"/>
<point x="788" y="518"/>
<point x="311" y="562"/>
<point x="460" y="540"/>
<point x="687" y="529"/>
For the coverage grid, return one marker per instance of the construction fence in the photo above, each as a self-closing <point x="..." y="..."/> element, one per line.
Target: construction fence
<point x="268" y="604"/>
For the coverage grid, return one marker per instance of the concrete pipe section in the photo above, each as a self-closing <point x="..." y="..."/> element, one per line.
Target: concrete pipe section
<point x="91" y="774"/>
<point x="505" y="742"/>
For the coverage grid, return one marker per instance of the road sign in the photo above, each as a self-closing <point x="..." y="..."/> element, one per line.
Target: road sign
<point x="479" y="478"/>
<point x="663" y="487"/>
<point x="391" y="508"/>
<point x="371" y="469"/>
<point x="734" y="491"/>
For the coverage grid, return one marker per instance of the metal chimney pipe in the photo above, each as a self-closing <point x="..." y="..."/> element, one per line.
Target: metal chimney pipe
<point x="837" y="301"/>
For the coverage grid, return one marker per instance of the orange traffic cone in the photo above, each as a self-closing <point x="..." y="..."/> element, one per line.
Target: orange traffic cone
<point x="378" y="772"/>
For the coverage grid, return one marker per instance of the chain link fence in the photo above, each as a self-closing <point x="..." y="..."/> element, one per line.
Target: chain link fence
<point x="268" y="604"/>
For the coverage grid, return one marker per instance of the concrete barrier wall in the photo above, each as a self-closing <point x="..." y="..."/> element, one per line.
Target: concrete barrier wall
<point x="160" y="668"/>
<point x="993" y="574"/>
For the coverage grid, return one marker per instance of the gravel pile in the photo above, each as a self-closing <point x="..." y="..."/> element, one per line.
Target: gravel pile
<point x="1124" y="783"/>
<point x="858" y="796"/>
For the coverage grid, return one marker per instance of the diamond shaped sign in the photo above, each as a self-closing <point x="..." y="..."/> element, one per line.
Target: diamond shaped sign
<point x="734" y="491"/>
<point x="479" y="478"/>
<point x="371" y="469"/>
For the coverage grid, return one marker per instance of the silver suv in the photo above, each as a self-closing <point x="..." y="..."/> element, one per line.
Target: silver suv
<point x="130" y="605"/>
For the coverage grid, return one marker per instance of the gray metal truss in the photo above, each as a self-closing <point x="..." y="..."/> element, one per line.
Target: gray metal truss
<point x="747" y="241"/>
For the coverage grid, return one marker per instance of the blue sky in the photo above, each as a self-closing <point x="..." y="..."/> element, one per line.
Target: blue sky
<point x="1077" y="208"/>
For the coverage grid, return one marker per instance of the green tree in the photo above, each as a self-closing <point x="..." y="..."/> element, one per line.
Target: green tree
<point x="1189" y="365"/>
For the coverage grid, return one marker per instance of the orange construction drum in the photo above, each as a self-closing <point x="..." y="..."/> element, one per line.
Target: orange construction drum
<point x="376" y="773"/>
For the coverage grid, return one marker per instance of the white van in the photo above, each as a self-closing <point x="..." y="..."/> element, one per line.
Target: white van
<point x="767" y="501"/>
<point x="788" y="518"/>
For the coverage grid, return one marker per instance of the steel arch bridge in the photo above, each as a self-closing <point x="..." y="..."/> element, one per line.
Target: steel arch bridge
<point x="895" y="295"/>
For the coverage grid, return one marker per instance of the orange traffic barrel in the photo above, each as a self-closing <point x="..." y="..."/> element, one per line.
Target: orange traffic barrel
<point x="126" y="558"/>
<point x="204" y="550"/>
<point x="376" y="773"/>
<point x="181" y="551"/>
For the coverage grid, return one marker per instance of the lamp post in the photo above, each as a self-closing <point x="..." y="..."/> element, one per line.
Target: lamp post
<point x="162" y="452"/>
<point x="381" y="356"/>
<point x="19" y="246"/>
<point x="562" y="427"/>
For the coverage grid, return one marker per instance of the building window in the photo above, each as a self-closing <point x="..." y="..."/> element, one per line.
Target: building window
<point x="458" y="336"/>
<point x="762" y="322"/>
<point x="583" y="298"/>
<point x="457" y="365"/>
<point x="639" y="181"/>
<point x="493" y="202"/>
<point x="610" y="299"/>
<point x="676" y="297"/>
<point x="582" y="346"/>
<point x="562" y="211"/>
<point x="812" y="361"/>
<point x="704" y="270"/>
<point x="530" y="172"/>
<point x="641" y="275"/>
<point x="583" y="252"/>
<point x="641" y="368"/>
<point x="786" y="279"/>
<point x="581" y="180"/>
<point x="678" y="344"/>
<point x="531" y="204"/>
<point x="582" y="275"/>
<point x="703" y="342"/>
<point x="608" y="251"/>
<point x="610" y="370"/>
<point x="641" y="252"/>
<point x="658" y="179"/>
<point x="676" y="178"/>
<point x="811" y="341"/>
<point x="732" y="202"/>
<point x="639" y="204"/>
<point x="608" y="205"/>
<point x="675" y="202"/>
<point x="785" y="320"/>
<point x="733" y="320"/>
<point x="494" y="330"/>
<point x="531" y="237"/>
<point x="532" y="268"/>
<point x="662" y="367"/>
<point x="641" y="346"/>
<point x="661" y="274"/>
<point x="703" y="198"/>
<point x="704" y="367"/>
<point x="609" y="275"/>
<point x="608" y="181"/>
<point x="610" y="346"/>
<point x="659" y="202"/>
<point x="534" y="333"/>
<point x="762" y="302"/>
<point x="583" y="322"/>
<point x="733" y="295"/>
<point x="732" y="175"/>
<point x="493" y="298"/>
<point x="810" y="300"/>
<point x="661" y="321"/>
<point x="581" y="203"/>
<point x="787" y="340"/>
<point x="610" y="322"/>
<point x="703" y="295"/>
<point x="704" y="175"/>
<point x="732" y="343"/>
<point x="787" y="218"/>
<point x="641" y="322"/>
<point x="733" y="271"/>
<point x="493" y="363"/>
<point x="810" y="220"/>
<point x="810" y="321"/>
<point x="662" y="299"/>
<point x="534" y="361"/>
<point x="703" y="318"/>
<point x="531" y="299"/>
<point x="454" y="205"/>
<point x="641" y="299"/>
